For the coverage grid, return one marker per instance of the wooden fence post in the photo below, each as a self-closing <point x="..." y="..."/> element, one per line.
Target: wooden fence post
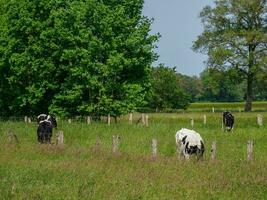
<point x="69" y="121"/>
<point x="60" y="138"/>
<point x="259" y="120"/>
<point x="146" y="122"/>
<point x="213" y="109"/>
<point x="222" y="125"/>
<point x="154" y="148"/>
<point x="88" y="120"/>
<point x="250" y="150"/>
<point x="192" y="122"/>
<point x="204" y="119"/>
<point x="98" y="141"/>
<point x="12" y="137"/>
<point x="131" y="118"/>
<point x="178" y="151"/>
<point x="109" y="119"/>
<point x="213" y="151"/>
<point x="115" y="144"/>
<point x="26" y="119"/>
<point x="143" y="119"/>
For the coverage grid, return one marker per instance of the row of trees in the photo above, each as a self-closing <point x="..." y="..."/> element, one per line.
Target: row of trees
<point x="212" y="85"/>
<point x="94" y="57"/>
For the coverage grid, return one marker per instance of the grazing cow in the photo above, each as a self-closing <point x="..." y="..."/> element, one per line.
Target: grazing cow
<point x="228" y="120"/>
<point x="189" y="142"/>
<point x="46" y="123"/>
<point x="44" y="131"/>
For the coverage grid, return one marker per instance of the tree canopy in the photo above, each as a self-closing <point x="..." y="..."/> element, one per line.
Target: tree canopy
<point x="235" y="38"/>
<point x="74" y="57"/>
<point x="166" y="90"/>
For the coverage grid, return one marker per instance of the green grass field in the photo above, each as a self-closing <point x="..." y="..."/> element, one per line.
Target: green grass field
<point x="82" y="170"/>
<point x="222" y="106"/>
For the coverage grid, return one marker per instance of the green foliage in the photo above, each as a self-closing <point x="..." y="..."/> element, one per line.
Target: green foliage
<point x="167" y="92"/>
<point x="234" y="37"/>
<point x="74" y="57"/>
<point x="260" y="90"/>
<point x="191" y="85"/>
<point x="221" y="86"/>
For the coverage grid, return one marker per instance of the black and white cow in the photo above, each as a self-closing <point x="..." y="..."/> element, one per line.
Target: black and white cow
<point x="46" y="123"/>
<point x="189" y="142"/>
<point x="228" y="120"/>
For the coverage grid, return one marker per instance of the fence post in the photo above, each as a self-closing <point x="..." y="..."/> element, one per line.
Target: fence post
<point x="143" y="119"/>
<point x="178" y="151"/>
<point x="192" y="122"/>
<point x="98" y="141"/>
<point x="131" y="119"/>
<point x="88" y="120"/>
<point x="259" y="120"/>
<point x="213" y="110"/>
<point x="109" y="119"/>
<point x="222" y="125"/>
<point x="69" y="121"/>
<point x="26" y="119"/>
<point x="250" y="150"/>
<point x="213" y="151"/>
<point x="115" y="144"/>
<point x="146" y="122"/>
<point x="29" y="120"/>
<point x="204" y="119"/>
<point x="154" y="148"/>
<point x="60" y="138"/>
<point x="12" y="137"/>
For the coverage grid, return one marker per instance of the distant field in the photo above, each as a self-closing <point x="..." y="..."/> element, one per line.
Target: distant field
<point x="82" y="170"/>
<point x="233" y="106"/>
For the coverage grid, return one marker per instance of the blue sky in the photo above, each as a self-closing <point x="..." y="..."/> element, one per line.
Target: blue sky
<point x="179" y="24"/>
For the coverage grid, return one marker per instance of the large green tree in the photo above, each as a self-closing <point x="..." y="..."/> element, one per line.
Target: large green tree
<point x="235" y="37"/>
<point x="74" y="57"/>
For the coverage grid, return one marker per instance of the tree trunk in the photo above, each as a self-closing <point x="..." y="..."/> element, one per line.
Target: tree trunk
<point x="249" y="96"/>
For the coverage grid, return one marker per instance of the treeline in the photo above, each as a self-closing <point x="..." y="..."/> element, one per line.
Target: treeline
<point x="174" y="90"/>
<point x="91" y="57"/>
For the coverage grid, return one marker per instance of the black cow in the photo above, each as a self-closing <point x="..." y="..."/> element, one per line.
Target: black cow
<point x="228" y="120"/>
<point x="46" y="123"/>
<point x="44" y="131"/>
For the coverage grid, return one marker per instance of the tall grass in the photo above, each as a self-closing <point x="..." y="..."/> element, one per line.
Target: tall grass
<point x="82" y="170"/>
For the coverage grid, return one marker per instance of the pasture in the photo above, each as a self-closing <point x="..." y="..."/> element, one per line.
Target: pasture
<point x="80" y="169"/>
<point x="222" y="106"/>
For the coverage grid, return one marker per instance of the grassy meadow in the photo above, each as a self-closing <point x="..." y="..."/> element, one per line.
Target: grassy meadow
<point x="80" y="169"/>
<point x="222" y="106"/>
